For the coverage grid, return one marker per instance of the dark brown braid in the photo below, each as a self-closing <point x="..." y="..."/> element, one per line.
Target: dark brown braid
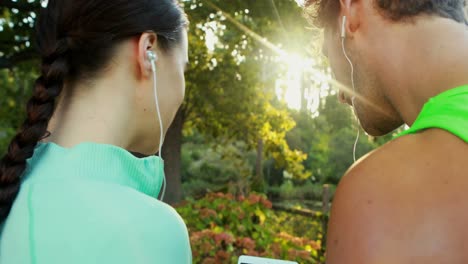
<point x="40" y="109"/>
<point x="76" y="38"/>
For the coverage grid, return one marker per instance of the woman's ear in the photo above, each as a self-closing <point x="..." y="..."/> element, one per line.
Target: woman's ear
<point x="146" y="42"/>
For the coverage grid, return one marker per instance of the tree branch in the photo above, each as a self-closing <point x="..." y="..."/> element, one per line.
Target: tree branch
<point x="303" y="212"/>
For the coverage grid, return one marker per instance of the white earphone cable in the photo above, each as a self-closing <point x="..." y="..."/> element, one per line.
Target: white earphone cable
<point x="161" y="127"/>
<point x="354" y="90"/>
<point x="355" y="144"/>
<point x="351" y="65"/>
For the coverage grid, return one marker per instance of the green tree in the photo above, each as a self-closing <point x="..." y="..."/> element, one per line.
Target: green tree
<point x="329" y="140"/>
<point x="17" y="61"/>
<point x="16" y="23"/>
<point x="231" y="83"/>
<point x="15" y="89"/>
<point x="223" y="167"/>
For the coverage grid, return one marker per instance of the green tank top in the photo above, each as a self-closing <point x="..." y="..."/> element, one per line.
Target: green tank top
<point x="447" y="111"/>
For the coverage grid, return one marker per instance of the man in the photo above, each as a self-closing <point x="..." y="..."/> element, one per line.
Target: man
<point x="406" y="202"/>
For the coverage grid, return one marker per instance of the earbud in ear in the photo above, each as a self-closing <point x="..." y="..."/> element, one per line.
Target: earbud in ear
<point x="151" y="56"/>
<point x="343" y="27"/>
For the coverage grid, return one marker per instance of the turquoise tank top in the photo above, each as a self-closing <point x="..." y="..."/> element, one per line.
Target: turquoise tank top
<point x="93" y="203"/>
<point x="447" y="111"/>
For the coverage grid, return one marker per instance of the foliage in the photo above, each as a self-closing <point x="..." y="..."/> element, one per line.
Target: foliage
<point x="15" y="90"/>
<point x="226" y="167"/>
<point x="16" y="23"/>
<point x="301" y="226"/>
<point x="223" y="167"/>
<point x="223" y="227"/>
<point x="230" y="84"/>
<point x="329" y="140"/>
<point x="304" y="191"/>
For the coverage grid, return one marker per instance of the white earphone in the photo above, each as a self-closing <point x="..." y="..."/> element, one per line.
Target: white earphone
<point x="343" y="37"/>
<point x="152" y="57"/>
<point x="343" y="27"/>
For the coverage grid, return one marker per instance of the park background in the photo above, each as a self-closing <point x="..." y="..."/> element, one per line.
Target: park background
<point x="256" y="150"/>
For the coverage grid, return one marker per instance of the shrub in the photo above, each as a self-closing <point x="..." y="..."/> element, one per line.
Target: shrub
<point x="223" y="227"/>
<point x="306" y="191"/>
<point x="219" y="167"/>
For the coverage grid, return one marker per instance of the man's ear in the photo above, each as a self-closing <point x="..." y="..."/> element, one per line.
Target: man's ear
<point x="351" y="9"/>
<point x="146" y="42"/>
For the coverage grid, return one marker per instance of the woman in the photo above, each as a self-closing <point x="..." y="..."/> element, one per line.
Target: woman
<point x="77" y="194"/>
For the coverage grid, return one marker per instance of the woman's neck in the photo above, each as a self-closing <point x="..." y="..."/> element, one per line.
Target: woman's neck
<point x="99" y="113"/>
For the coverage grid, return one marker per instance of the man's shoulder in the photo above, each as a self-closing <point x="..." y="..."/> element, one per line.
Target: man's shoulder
<point x="381" y="176"/>
<point x="397" y="157"/>
<point x="391" y="172"/>
<point x="382" y="200"/>
<point x="409" y="158"/>
<point x="366" y="207"/>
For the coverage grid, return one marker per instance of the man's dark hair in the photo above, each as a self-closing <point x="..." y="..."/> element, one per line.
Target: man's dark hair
<point x="323" y="13"/>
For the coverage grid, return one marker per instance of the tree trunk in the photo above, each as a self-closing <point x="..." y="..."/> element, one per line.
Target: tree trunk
<point x="304" y="84"/>
<point x="259" y="161"/>
<point x="259" y="182"/>
<point x="172" y="160"/>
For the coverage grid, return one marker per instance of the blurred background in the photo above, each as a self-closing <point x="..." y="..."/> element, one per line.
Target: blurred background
<point x="255" y="152"/>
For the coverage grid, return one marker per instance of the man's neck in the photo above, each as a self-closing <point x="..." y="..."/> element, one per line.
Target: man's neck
<point x="432" y="58"/>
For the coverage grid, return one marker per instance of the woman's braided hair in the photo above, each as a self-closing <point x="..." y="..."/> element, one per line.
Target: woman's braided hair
<point x="76" y="38"/>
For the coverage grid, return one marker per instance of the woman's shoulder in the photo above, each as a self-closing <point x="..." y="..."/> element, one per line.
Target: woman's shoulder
<point x="108" y="204"/>
<point x="122" y="223"/>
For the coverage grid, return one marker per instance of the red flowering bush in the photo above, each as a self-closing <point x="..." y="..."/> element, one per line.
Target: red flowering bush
<point x="223" y="227"/>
